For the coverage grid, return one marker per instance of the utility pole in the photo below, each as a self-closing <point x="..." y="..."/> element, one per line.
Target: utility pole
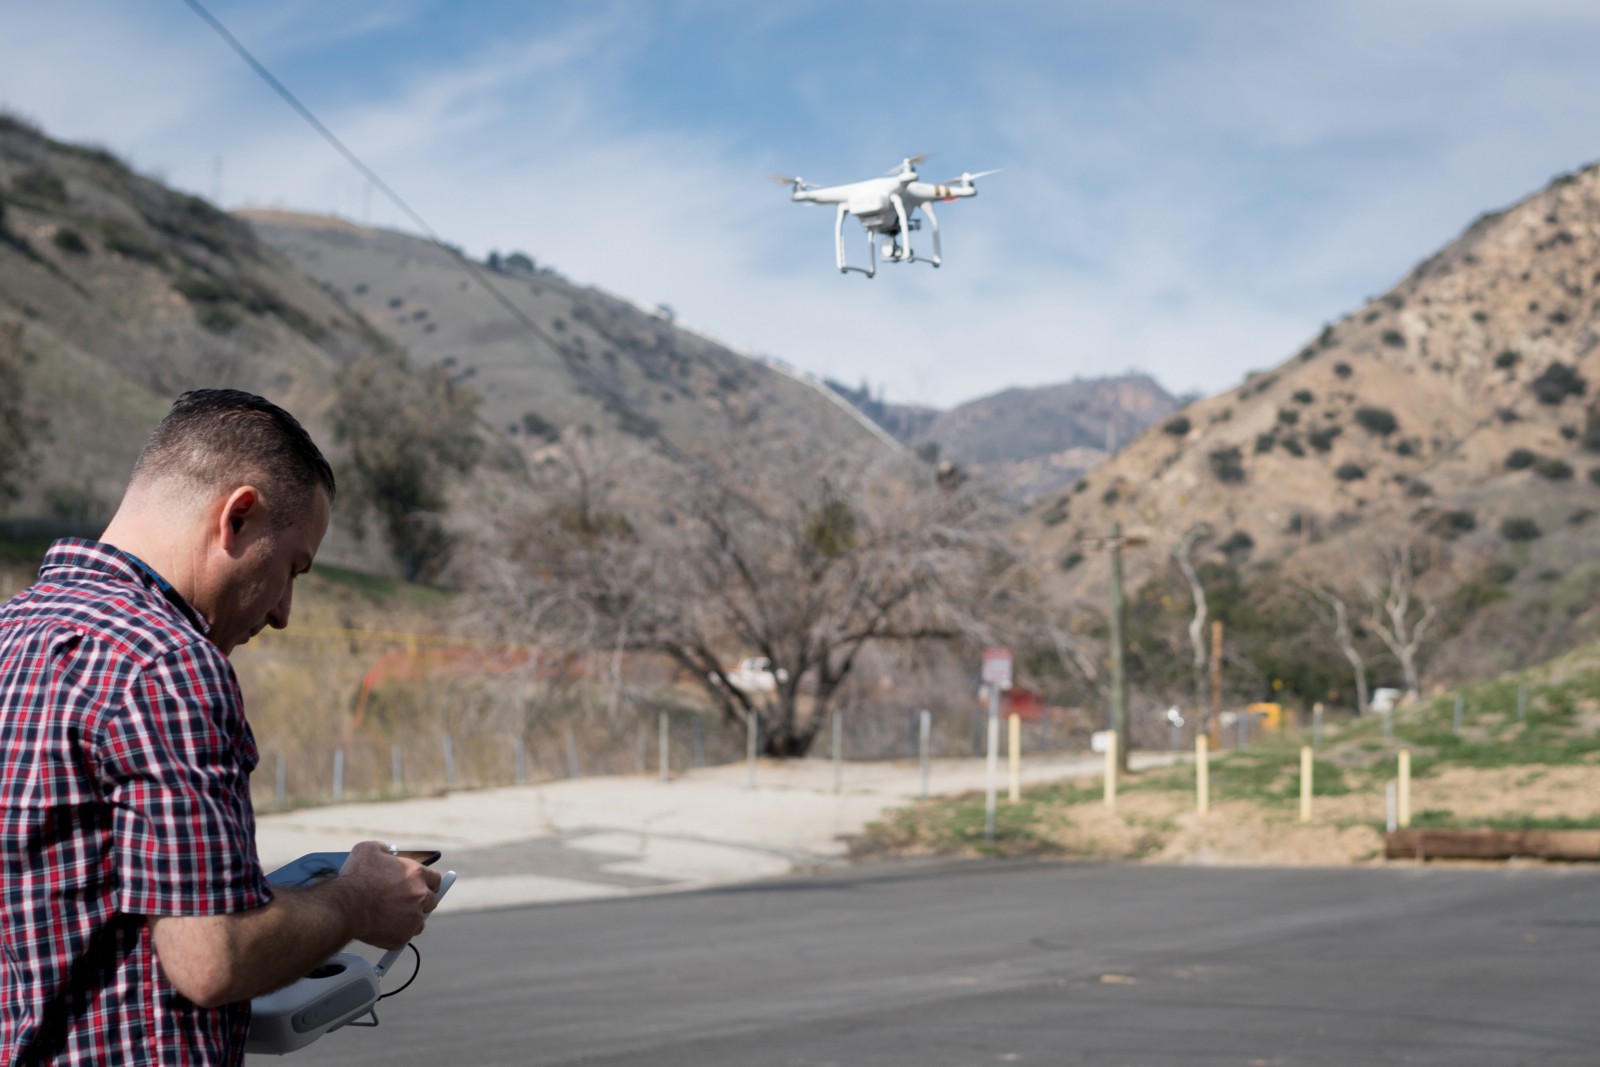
<point x="1115" y="542"/>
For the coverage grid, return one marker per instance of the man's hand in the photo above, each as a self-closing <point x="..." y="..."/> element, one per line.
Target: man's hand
<point x="378" y="898"/>
<point x="396" y="894"/>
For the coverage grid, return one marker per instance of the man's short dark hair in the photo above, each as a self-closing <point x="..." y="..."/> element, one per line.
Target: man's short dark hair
<point x="216" y="437"/>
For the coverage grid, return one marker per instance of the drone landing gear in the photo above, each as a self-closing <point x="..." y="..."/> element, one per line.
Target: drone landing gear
<point x="838" y="247"/>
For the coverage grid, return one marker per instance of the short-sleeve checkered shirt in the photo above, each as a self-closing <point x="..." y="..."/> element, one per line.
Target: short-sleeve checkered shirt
<point x="124" y="792"/>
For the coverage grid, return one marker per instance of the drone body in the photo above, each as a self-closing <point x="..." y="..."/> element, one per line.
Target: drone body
<point x="888" y="208"/>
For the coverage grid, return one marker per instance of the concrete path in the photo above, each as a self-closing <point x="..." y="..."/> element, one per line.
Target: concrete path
<point x="586" y="838"/>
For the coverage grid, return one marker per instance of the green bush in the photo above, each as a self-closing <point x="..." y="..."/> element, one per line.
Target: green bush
<point x="70" y="241"/>
<point x="1380" y="421"/>
<point x="1227" y="465"/>
<point x="36" y="183"/>
<point x="1556" y="470"/>
<point x="1350" y="472"/>
<point x="1322" y="440"/>
<point x="124" y="240"/>
<point x="1507" y="359"/>
<point x="1515" y="528"/>
<point x="1520" y="459"/>
<point x="1394" y="338"/>
<point x="1177" y="427"/>
<point x="1557" y="382"/>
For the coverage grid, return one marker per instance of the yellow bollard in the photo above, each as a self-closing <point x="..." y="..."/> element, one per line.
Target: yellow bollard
<point x="1305" y="783"/>
<point x="1111" y="768"/>
<point x="1202" y="774"/>
<point x="1015" y="740"/>
<point x="1403" y="808"/>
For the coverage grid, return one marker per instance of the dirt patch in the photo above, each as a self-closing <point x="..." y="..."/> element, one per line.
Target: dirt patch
<point x="1164" y="827"/>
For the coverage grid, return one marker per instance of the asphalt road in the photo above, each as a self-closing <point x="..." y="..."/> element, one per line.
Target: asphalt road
<point x="991" y="963"/>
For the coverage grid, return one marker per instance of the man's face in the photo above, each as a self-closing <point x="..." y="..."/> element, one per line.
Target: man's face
<point x="261" y="582"/>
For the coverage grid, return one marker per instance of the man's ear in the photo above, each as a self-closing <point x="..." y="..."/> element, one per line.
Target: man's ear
<point x="240" y="510"/>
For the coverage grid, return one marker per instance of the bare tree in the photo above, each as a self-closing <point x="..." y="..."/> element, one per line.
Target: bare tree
<point x="1183" y="557"/>
<point x="406" y="436"/>
<point x="1401" y="624"/>
<point x="803" y="556"/>
<point x="1330" y="607"/>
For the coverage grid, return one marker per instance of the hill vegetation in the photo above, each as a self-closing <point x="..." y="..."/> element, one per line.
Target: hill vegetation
<point x="1429" y="461"/>
<point x="1520" y="752"/>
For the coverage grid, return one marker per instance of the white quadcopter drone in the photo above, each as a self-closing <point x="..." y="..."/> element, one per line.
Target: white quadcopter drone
<point x="887" y="207"/>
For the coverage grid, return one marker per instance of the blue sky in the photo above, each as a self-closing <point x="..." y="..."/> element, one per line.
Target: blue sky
<point x="1190" y="188"/>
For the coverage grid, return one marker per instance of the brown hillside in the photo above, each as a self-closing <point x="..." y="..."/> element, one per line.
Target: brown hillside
<point x="1455" y="410"/>
<point x="601" y="362"/>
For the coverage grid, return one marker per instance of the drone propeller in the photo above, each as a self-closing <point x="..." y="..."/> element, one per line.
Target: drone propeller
<point x="797" y="183"/>
<point x="908" y="163"/>
<point x="968" y="178"/>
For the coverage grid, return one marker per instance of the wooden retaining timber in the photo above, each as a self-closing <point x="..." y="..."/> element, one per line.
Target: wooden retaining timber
<point x="1566" y="845"/>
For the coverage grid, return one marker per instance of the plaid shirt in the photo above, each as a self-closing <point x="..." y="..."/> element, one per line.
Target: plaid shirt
<point x="124" y="792"/>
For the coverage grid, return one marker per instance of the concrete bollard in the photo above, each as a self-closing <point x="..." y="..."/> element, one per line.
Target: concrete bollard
<point x="1014" y="753"/>
<point x="1111" y="769"/>
<point x="1403" y="805"/>
<point x="1305" y="783"/>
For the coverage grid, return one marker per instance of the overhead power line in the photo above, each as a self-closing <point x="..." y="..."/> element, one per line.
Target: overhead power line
<point x="371" y="175"/>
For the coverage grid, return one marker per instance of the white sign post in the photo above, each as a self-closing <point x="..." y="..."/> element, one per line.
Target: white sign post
<point x="996" y="676"/>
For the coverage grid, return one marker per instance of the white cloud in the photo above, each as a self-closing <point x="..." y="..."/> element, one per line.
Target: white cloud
<point x="1195" y="203"/>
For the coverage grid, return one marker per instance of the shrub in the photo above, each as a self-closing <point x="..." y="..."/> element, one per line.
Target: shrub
<point x="1227" y="465"/>
<point x="1394" y="338"/>
<point x="1264" y="443"/>
<point x="70" y="241"/>
<point x="1293" y="446"/>
<point x="1405" y="448"/>
<point x="1342" y="371"/>
<point x="124" y="240"/>
<point x="1515" y="528"/>
<point x="1177" y="427"/>
<point x="1377" y="420"/>
<point x="218" y="318"/>
<point x="1590" y="437"/>
<point x="1521" y="459"/>
<point x="1288" y="416"/>
<point x="1237" y="546"/>
<point x="1557" y="382"/>
<point x="39" y="184"/>
<point x="1507" y="359"/>
<point x="1304" y="396"/>
<point x="1070" y="560"/>
<point x="1556" y="470"/>
<point x="1452" y="524"/>
<point x="1322" y="440"/>
<point x="1594" y="475"/>
<point x="1350" y="472"/>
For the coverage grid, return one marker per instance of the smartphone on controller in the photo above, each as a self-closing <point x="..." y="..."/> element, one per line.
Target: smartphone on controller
<point x="314" y="868"/>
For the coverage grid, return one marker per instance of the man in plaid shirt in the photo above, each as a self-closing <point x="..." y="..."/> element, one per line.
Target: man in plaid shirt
<point x="135" y="920"/>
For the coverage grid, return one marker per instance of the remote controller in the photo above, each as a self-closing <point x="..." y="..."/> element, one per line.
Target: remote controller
<point x="341" y="990"/>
